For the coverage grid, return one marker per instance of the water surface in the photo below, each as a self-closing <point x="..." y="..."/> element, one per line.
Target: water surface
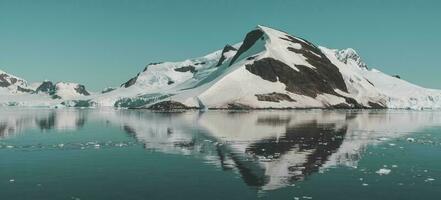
<point x="133" y="154"/>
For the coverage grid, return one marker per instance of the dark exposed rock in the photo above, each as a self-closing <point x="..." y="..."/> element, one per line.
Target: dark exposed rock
<point x="307" y="48"/>
<point x="307" y="81"/>
<point x="190" y="68"/>
<point x="238" y="106"/>
<point x="46" y="87"/>
<point x="106" y="90"/>
<point x="6" y="83"/>
<point x="251" y="57"/>
<point x="274" y="97"/>
<point x="155" y="63"/>
<point x="200" y="63"/>
<point x="170" y="82"/>
<point x="130" y="82"/>
<point x="324" y="67"/>
<point x="56" y="97"/>
<point x="342" y="106"/>
<point x="248" y="42"/>
<point x="374" y="105"/>
<point x="169" y="106"/>
<point x="226" y="49"/>
<point x="81" y="89"/>
<point x="352" y="103"/>
<point x="369" y="82"/>
<point x="397" y="76"/>
<point x="151" y="64"/>
<point x="25" y="90"/>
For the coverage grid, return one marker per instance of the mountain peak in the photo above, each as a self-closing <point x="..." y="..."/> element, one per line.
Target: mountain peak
<point x="268" y="29"/>
<point x="350" y="55"/>
<point x="226" y="53"/>
<point x="7" y="80"/>
<point x="8" y="74"/>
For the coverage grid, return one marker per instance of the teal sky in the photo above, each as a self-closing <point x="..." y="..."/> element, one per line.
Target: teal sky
<point x="104" y="43"/>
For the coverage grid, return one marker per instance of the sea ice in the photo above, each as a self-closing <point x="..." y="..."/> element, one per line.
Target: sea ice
<point x="383" y="171"/>
<point x="429" y="180"/>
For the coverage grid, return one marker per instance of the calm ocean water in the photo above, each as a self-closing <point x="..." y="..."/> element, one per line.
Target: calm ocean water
<point x="304" y="154"/>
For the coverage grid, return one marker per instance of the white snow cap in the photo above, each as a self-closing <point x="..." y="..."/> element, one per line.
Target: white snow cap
<point x="350" y="55"/>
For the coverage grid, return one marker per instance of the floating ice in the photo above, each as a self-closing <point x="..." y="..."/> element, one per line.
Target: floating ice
<point x="383" y="171"/>
<point x="429" y="180"/>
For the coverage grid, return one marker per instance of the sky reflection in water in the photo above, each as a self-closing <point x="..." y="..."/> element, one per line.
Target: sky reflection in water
<point x="268" y="150"/>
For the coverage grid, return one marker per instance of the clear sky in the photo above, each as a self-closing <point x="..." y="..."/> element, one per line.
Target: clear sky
<point x="104" y="43"/>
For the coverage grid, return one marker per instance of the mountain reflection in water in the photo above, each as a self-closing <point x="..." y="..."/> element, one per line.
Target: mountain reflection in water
<point x="269" y="149"/>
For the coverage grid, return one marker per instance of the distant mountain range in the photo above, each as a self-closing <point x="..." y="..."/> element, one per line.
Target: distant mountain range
<point x="269" y="69"/>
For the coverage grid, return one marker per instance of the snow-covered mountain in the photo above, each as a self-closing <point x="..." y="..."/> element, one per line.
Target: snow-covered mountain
<point x="13" y="84"/>
<point x="268" y="69"/>
<point x="15" y="91"/>
<point x="63" y="90"/>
